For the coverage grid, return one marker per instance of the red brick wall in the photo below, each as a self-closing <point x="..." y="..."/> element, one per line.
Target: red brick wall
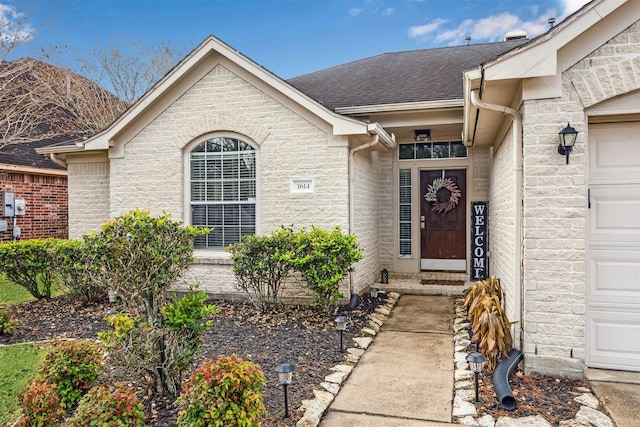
<point x="47" y="205"/>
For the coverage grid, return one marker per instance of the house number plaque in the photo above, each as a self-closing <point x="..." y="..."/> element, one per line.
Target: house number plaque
<point x="301" y="185"/>
<point x="479" y="265"/>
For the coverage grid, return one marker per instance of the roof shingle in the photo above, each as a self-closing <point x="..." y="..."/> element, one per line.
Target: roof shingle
<point x="399" y="77"/>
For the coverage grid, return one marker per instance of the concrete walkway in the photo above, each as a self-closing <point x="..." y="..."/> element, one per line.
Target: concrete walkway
<point x="405" y="378"/>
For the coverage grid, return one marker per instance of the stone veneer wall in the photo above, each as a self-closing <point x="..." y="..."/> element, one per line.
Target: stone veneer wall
<point x="88" y="196"/>
<point x="365" y="217"/>
<point x="150" y="175"/>
<point x="502" y="244"/>
<point x="387" y="205"/>
<point x="555" y="226"/>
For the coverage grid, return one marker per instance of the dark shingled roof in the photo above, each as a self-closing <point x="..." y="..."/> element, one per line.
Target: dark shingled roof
<point x="390" y="78"/>
<point x="24" y="153"/>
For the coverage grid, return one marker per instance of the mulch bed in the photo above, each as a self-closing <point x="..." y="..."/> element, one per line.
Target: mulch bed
<point x="298" y="335"/>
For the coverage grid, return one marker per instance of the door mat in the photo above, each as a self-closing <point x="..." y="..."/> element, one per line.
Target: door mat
<point x="442" y="282"/>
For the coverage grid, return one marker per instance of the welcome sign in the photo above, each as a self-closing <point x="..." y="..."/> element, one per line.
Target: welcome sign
<point x="479" y="265"/>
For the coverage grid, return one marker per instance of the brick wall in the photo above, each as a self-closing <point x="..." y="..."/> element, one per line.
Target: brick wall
<point x="151" y="173"/>
<point x="555" y="211"/>
<point x="46" y="202"/>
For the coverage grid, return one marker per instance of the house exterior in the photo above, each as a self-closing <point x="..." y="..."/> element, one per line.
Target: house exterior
<point x="439" y="160"/>
<point x="42" y="184"/>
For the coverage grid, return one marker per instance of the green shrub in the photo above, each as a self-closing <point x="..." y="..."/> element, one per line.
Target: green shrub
<point x="28" y="263"/>
<point x="74" y="367"/>
<point x="40" y="404"/>
<point x="323" y="258"/>
<point x="140" y="257"/>
<point x="71" y="261"/>
<point x="116" y="406"/>
<point x="7" y="324"/>
<point x="224" y="393"/>
<point x="261" y="264"/>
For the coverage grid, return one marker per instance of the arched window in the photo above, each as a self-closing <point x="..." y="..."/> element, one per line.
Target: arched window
<point x="223" y="190"/>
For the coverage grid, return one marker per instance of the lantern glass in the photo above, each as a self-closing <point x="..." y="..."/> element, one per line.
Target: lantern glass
<point x="374" y="292"/>
<point x="341" y="323"/>
<point x="285" y="373"/>
<point x="476" y="360"/>
<point x="568" y="136"/>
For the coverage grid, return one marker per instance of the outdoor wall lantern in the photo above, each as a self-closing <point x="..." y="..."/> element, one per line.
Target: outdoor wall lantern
<point x="341" y="325"/>
<point x="568" y="137"/>
<point x="374" y="295"/>
<point x="422" y="135"/>
<point x="285" y="375"/>
<point x="384" y="276"/>
<point x="476" y="360"/>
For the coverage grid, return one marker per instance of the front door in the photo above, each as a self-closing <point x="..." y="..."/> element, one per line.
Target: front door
<point x="443" y="220"/>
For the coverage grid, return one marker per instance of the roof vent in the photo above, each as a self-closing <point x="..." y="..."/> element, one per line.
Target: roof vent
<point x="515" y="35"/>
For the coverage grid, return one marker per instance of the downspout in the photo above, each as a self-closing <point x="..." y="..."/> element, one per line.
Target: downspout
<point x="57" y="160"/>
<point x="374" y="141"/>
<point x="517" y="194"/>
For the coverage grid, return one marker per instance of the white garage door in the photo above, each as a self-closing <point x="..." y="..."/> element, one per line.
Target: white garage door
<point x="613" y="245"/>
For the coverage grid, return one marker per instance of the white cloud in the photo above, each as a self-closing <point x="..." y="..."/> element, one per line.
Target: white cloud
<point x="423" y="30"/>
<point x="13" y="29"/>
<point x="388" y="11"/>
<point x="571" y="6"/>
<point x="354" y="11"/>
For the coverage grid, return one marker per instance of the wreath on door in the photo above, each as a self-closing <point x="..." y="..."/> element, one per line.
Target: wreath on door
<point x="432" y="195"/>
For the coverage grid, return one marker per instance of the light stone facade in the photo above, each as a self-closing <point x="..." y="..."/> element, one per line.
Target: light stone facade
<point x="555" y="206"/>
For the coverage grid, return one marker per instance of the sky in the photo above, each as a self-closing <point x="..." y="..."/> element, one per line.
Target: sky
<point x="287" y="37"/>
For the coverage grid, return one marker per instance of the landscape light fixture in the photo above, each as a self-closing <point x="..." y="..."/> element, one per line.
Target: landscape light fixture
<point x="285" y="375"/>
<point x="422" y="135"/>
<point x="567" y="137"/>
<point x="384" y="276"/>
<point x="476" y="360"/>
<point x="373" y="291"/>
<point x="341" y="325"/>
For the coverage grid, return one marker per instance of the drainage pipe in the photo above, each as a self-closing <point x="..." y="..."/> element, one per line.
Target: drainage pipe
<point x="501" y="379"/>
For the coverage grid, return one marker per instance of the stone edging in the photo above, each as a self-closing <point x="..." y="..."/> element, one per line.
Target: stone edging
<point x="465" y="411"/>
<point x="315" y="408"/>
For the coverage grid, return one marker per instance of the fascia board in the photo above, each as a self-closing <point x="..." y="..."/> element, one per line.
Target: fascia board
<point x="341" y="125"/>
<point x="32" y="170"/>
<point x="401" y="107"/>
<point x="540" y="57"/>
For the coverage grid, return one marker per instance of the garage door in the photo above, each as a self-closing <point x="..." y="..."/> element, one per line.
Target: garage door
<point x="613" y="246"/>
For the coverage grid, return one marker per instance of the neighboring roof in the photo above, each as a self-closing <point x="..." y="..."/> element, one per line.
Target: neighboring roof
<point x="400" y="77"/>
<point x="24" y="153"/>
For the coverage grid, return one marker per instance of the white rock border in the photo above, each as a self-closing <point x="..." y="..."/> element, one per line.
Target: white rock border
<point x="465" y="411"/>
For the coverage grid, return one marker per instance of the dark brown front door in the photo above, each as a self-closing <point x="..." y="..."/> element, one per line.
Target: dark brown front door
<point x="443" y="219"/>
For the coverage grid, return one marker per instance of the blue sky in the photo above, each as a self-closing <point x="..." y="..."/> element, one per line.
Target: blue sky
<point x="288" y="37"/>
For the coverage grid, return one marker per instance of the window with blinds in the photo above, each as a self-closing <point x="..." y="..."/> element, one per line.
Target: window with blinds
<point x="223" y="191"/>
<point x="404" y="214"/>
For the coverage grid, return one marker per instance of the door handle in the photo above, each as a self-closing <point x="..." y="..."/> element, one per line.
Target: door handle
<point x="422" y="225"/>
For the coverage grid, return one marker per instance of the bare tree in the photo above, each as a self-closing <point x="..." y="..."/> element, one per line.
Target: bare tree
<point x="130" y="68"/>
<point x="40" y="101"/>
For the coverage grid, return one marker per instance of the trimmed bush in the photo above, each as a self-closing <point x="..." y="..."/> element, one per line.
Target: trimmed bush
<point x="28" y="263"/>
<point x="223" y="393"/>
<point x="40" y="404"/>
<point x="323" y="258"/>
<point x="74" y="367"/>
<point x="115" y="405"/>
<point x="261" y="264"/>
<point x="71" y="261"/>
